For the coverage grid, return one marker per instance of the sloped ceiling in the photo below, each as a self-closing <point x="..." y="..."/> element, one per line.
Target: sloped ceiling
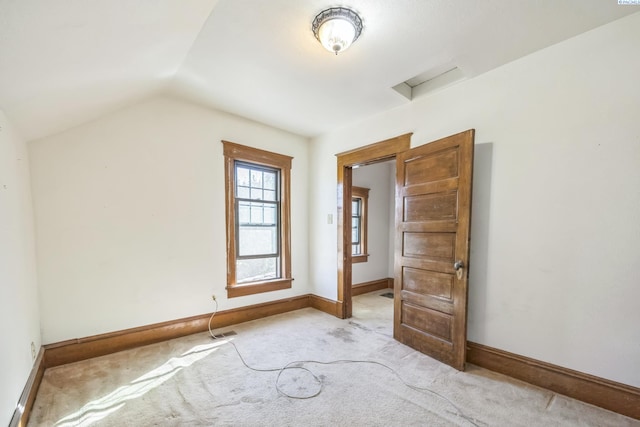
<point x="65" y="62"/>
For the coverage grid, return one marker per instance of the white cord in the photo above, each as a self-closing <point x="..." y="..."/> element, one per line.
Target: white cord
<point x="320" y="383"/>
<point x="211" y="318"/>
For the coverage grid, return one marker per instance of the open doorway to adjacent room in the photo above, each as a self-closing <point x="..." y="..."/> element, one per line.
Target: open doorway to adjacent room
<point x="372" y="242"/>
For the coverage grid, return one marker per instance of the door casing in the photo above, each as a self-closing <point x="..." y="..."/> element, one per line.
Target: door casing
<point x="367" y="155"/>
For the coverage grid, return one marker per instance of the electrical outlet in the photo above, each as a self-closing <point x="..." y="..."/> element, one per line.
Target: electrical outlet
<point x="213" y="297"/>
<point x="33" y="351"/>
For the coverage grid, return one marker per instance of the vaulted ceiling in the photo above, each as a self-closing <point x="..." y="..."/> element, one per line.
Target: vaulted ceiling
<point x="66" y="62"/>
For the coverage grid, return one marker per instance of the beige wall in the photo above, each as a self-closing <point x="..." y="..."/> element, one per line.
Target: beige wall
<point x="19" y="317"/>
<point x="131" y="221"/>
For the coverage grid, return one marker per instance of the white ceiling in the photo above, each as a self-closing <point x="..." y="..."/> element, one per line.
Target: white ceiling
<point x="65" y="62"/>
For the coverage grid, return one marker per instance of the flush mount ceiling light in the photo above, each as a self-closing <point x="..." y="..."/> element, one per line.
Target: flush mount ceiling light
<point x="336" y="28"/>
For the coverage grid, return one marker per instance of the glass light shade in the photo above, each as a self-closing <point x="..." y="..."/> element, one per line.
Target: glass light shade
<point x="336" y="35"/>
<point x="336" y="28"/>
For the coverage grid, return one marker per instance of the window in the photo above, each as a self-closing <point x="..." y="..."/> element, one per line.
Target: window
<point x="258" y="216"/>
<point x="359" y="213"/>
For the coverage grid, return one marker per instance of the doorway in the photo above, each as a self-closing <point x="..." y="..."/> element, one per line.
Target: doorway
<point x="372" y="227"/>
<point x="370" y="154"/>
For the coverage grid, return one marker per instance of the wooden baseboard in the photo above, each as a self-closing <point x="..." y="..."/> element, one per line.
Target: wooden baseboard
<point x="28" y="396"/>
<point x="374" y="285"/>
<point x="606" y="394"/>
<point x="99" y="345"/>
<point x="329" y="306"/>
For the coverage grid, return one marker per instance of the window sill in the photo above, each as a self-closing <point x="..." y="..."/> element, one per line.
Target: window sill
<point x="258" y="287"/>
<point x="359" y="258"/>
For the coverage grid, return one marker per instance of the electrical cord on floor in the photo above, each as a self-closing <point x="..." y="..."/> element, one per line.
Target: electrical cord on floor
<point x="320" y="383"/>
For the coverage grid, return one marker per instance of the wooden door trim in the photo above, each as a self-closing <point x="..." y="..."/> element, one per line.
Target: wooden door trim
<point x="369" y="154"/>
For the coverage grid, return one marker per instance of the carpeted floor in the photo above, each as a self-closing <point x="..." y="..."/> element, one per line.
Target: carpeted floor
<point x="199" y="381"/>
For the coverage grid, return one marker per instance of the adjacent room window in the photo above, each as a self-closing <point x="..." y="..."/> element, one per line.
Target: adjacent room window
<point x="258" y="217"/>
<point x="359" y="213"/>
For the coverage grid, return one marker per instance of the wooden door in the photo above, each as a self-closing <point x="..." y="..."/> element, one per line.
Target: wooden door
<point x="433" y="213"/>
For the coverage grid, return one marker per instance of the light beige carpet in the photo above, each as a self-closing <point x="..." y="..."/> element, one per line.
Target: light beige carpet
<point x="198" y="381"/>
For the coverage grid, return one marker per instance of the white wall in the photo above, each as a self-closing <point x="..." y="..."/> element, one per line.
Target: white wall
<point x="19" y="317"/>
<point x="555" y="235"/>
<point x="131" y="220"/>
<point x="376" y="178"/>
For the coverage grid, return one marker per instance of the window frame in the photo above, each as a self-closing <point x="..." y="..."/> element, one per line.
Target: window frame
<point x="362" y="194"/>
<point x="260" y="158"/>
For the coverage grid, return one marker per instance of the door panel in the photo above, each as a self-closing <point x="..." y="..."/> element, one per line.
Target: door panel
<point x="430" y="207"/>
<point x="421" y="300"/>
<point x="440" y="166"/>
<point x="427" y="282"/>
<point x="427" y="320"/>
<point x="432" y="245"/>
<point x="433" y="212"/>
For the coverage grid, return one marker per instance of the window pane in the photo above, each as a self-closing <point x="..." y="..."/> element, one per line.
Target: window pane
<point x="356" y="250"/>
<point x="270" y="180"/>
<point x="256" y="193"/>
<point x="243" y="213"/>
<point x="258" y="240"/>
<point x="355" y="230"/>
<point x="355" y="207"/>
<point x="242" y="175"/>
<point x="355" y="238"/>
<point x="270" y="216"/>
<point x="256" y="213"/>
<point x="269" y="195"/>
<point x="252" y="270"/>
<point x="256" y="178"/>
<point x="243" y="192"/>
